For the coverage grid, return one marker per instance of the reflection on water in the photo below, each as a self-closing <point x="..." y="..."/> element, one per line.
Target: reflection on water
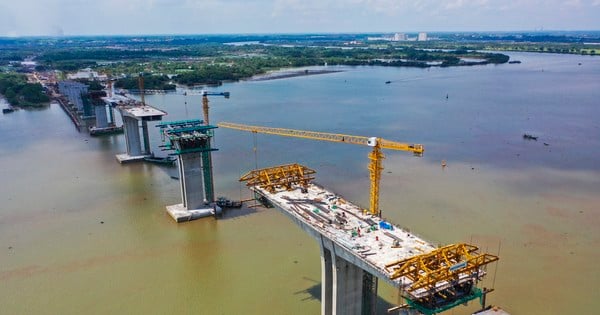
<point x="81" y="233"/>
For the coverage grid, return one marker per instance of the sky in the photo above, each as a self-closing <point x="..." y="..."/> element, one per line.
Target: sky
<point x="137" y="17"/>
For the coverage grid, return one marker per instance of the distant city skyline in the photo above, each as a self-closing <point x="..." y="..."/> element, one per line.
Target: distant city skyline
<point x="148" y="17"/>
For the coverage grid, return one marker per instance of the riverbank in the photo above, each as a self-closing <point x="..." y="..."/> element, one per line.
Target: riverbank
<point x="289" y="74"/>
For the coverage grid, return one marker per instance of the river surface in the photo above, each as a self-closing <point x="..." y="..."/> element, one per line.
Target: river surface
<point x="80" y="233"/>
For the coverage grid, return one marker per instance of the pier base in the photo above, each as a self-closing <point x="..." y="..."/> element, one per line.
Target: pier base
<point x="126" y="158"/>
<point x="180" y="214"/>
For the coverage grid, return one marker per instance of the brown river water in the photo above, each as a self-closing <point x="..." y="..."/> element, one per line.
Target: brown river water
<point x="80" y="233"/>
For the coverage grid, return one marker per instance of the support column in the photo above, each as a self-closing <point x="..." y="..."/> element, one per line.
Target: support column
<point x="132" y="136"/>
<point x="326" y="281"/>
<point x="209" y="194"/>
<point x="347" y="287"/>
<point x="190" y="140"/>
<point x="111" y="112"/>
<point x="101" y="118"/>
<point x="190" y="178"/>
<point x="145" y="137"/>
<point x="369" y="294"/>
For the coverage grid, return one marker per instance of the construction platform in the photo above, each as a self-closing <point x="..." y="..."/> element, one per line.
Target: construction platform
<point x="368" y="241"/>
<point x="180" y="214"/>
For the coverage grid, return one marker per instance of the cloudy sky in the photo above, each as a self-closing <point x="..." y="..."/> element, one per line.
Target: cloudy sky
<point x="110" y="17"/>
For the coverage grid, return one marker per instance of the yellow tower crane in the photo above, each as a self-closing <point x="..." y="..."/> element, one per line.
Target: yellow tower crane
<point x="205" y="95"/>
<point x="376" y="156"/>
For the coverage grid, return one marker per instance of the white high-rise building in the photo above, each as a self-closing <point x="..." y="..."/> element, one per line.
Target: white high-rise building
<point x="399" y="37"/>
<point x="422" y="37"/>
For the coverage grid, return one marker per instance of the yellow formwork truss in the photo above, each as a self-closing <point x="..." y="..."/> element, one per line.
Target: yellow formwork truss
<point x="282" y="176"/>
<point x="446" y="264"/>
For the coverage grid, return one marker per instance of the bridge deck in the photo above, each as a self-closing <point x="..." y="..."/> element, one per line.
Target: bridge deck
<point x="367" y="237"/>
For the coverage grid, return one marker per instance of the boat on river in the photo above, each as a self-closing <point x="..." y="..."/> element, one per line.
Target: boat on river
<point x="223" y="202"/>
<point x="527" y="136"/>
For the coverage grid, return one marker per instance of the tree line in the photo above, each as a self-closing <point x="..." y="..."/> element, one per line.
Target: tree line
<point x="18" y="92"/>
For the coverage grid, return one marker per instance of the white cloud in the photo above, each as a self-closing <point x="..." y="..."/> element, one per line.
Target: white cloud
<point x="34" y="17"/>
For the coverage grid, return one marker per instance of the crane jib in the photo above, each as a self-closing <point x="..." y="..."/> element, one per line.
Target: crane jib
<point x="325" y="136"/>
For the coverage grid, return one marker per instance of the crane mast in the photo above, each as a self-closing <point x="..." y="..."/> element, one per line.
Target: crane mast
<point x="205" y="95"/>
<point x="375" y="156"/>
<point x="141" y="87"/>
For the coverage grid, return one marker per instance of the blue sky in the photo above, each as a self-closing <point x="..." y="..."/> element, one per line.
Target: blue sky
<point x="110" y="17"/>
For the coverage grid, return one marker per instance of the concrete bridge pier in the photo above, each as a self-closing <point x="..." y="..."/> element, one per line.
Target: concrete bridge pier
<point x="190" y="179"/>
<point x="190" y="141"/>
<point x="345" y="287"/>
<point x="132" y="137"/>
<point x="132" y="115"/>
<point x="101" y="117"/>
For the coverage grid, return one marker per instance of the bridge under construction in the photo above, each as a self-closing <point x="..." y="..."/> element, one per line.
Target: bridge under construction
<point x="357" y="248"/>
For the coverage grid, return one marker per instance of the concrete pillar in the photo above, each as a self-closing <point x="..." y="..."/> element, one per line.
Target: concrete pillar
<point x="101" y="117"/>
<point x="347" y="287"/>
<point x="145" y="137"/>
<point x="326" y="281"/>
<point x="190" y="179"/>
<point x="111" y="112"/>
<point x="132" y="136"/>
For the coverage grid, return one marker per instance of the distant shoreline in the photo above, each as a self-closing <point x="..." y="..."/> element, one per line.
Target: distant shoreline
<point x="289" y="74"/>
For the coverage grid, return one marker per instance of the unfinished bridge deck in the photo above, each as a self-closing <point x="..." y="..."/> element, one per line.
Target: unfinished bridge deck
<point x="368" y="238"/>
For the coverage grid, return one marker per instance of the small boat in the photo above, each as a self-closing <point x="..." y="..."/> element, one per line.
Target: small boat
<point x="7" y="110"/>
<point x="226" y="203"/>
<point x="388" y="82"/>
<point x="514" y="61"/>
<point x="529" y="137"/>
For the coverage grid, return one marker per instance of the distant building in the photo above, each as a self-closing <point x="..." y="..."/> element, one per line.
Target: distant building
<point x="399" y="37"/>
<point x="422" y="37"/>
<point x="73" y="91"/>
<point x="28" y="64"/>
<point x="87" y="74"/>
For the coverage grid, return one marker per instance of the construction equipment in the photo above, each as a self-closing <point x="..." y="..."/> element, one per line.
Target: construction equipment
<point x="376" y="156"/>
<point x="445" y="274"/>
<point x="141" y="87"/>
<point x="284" y="176"/>
<point x="205" y="95"/>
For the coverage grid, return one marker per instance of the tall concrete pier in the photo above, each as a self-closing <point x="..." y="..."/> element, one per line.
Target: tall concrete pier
<point x="190" y="141"/>
<point x="101" y="116"/>
<point x="105" y="119"/>
<point x="345" y="287"/>
<point x="132" y="115"/>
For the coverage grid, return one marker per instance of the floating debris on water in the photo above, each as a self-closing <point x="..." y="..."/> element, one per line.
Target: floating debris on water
<point x="527" y="136"/>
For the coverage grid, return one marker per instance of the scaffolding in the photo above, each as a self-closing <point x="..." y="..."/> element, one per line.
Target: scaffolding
<point x="442" y="278"/>
<point x="282" y="176"/>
